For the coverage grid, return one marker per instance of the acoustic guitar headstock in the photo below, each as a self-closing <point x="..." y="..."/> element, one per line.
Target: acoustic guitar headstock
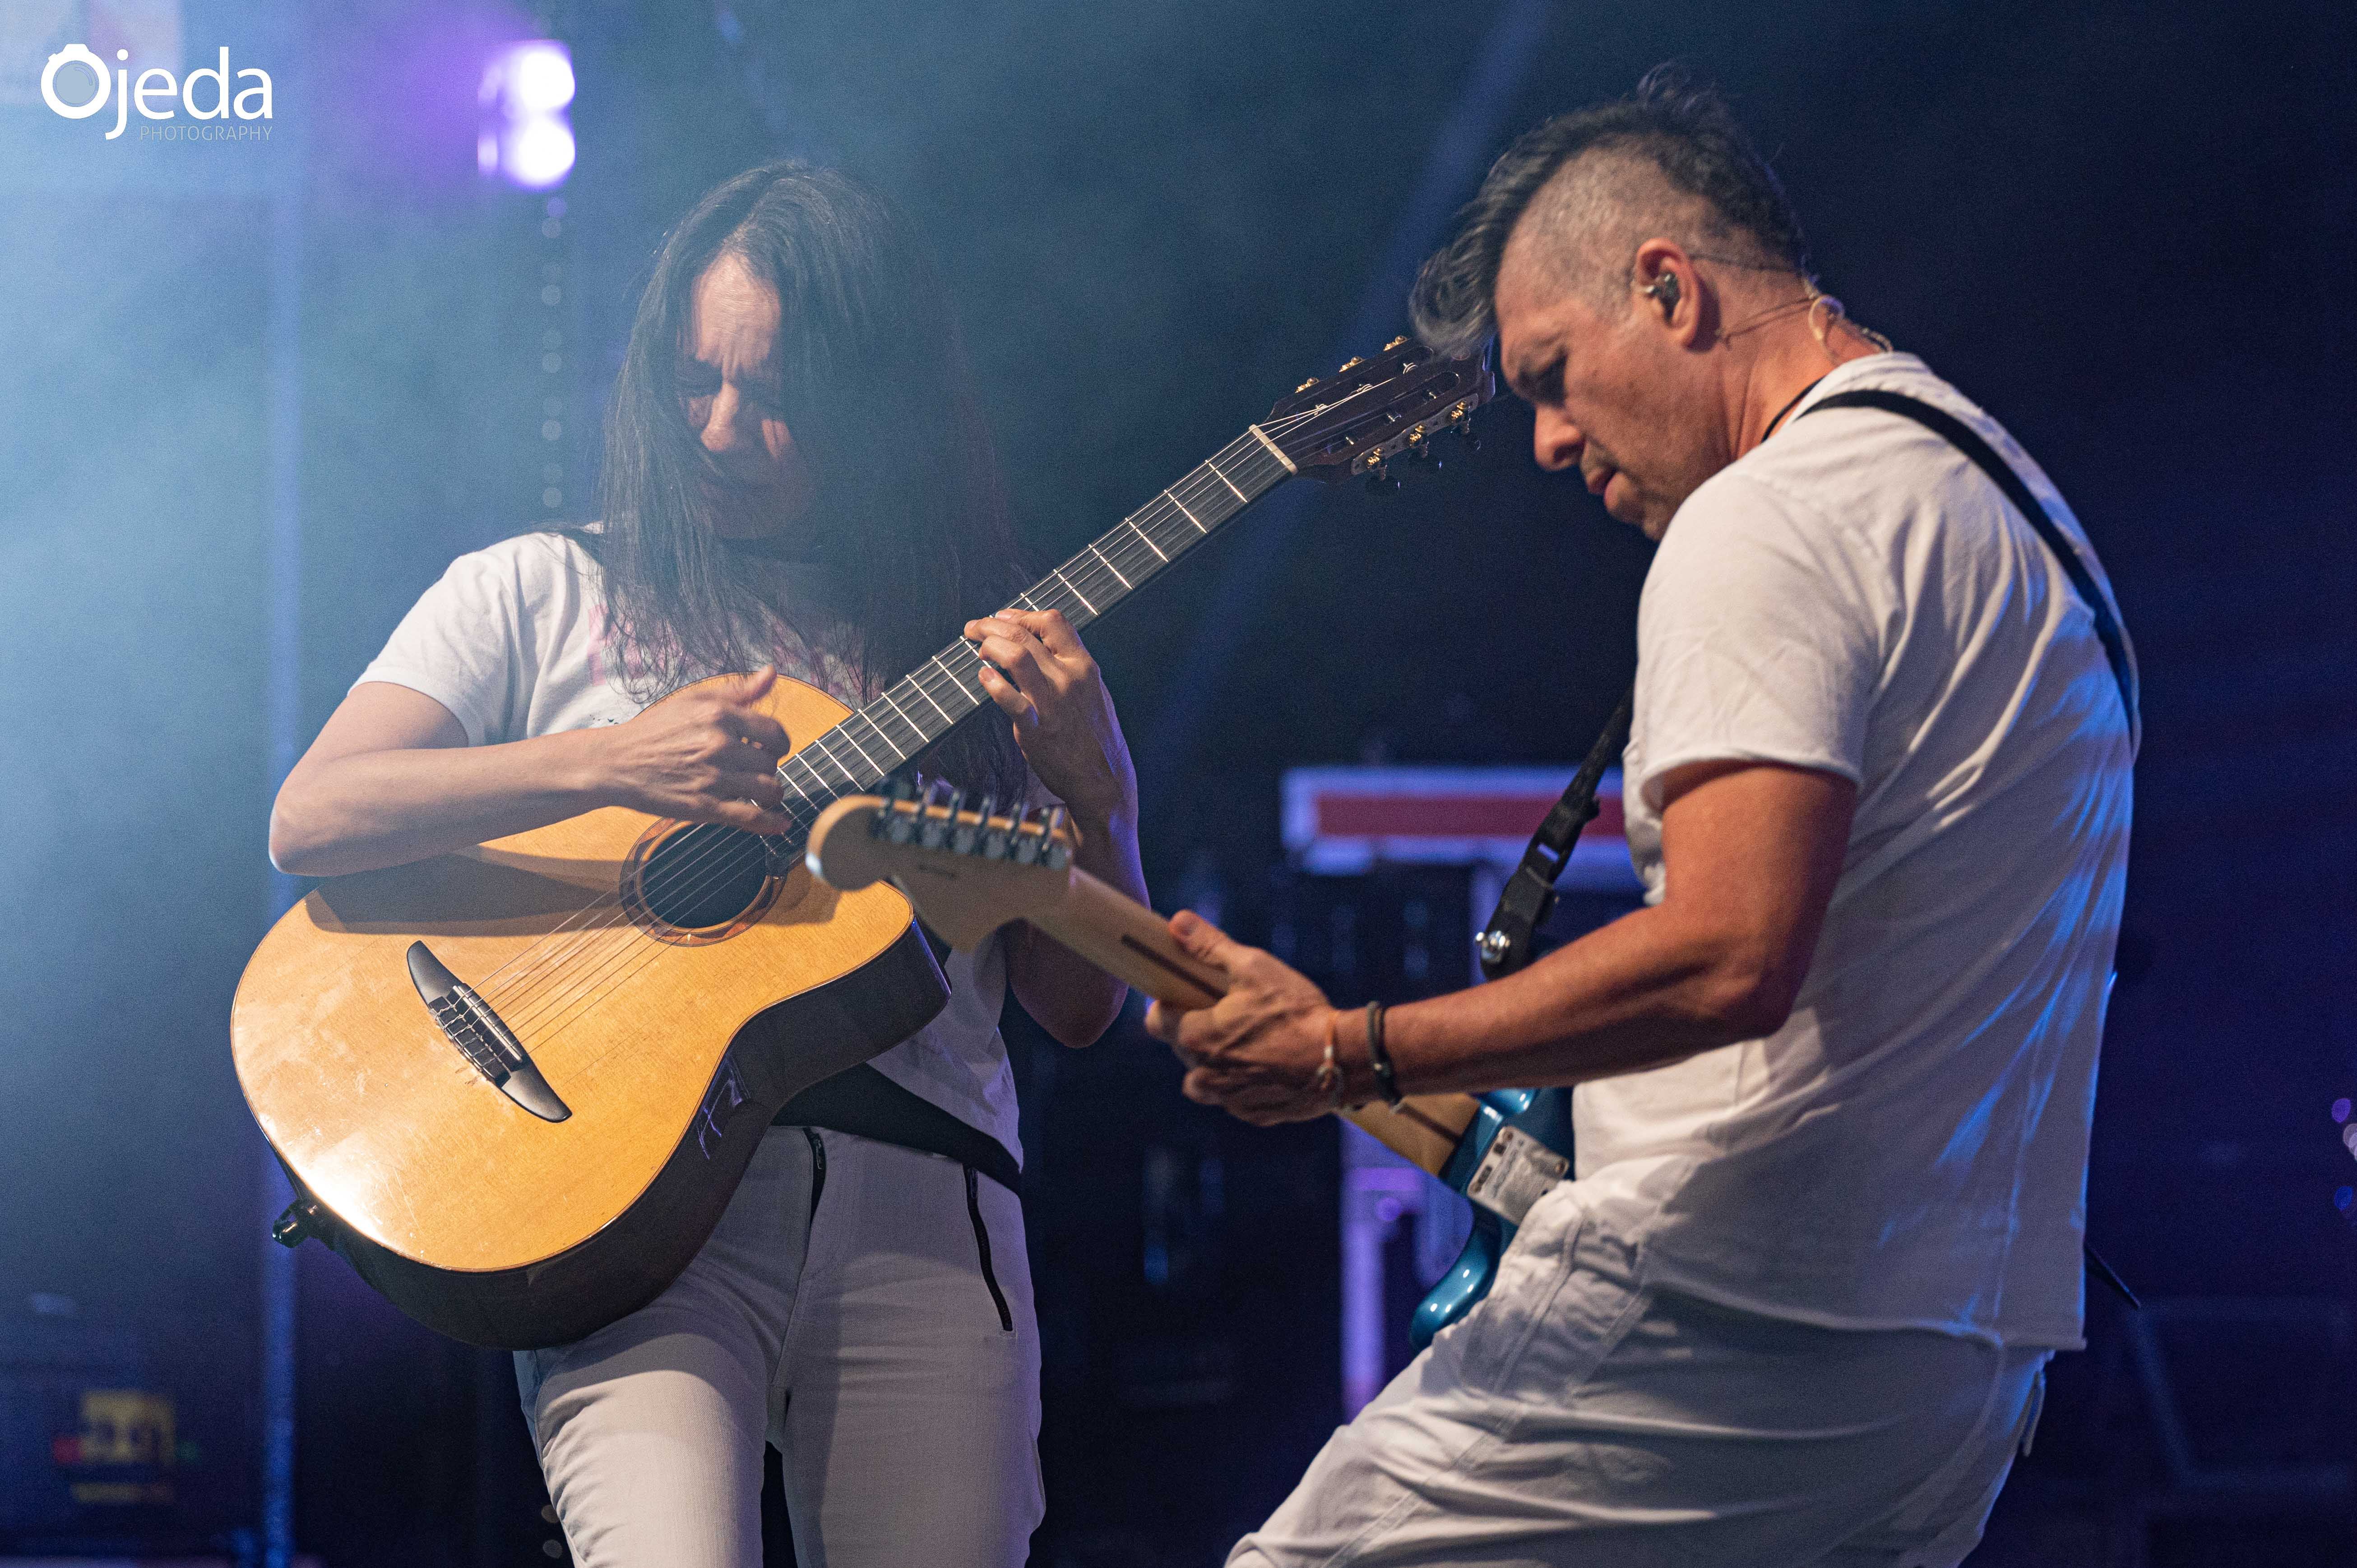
<point x="968" y="871"/>
<point x="1392" y="406"/>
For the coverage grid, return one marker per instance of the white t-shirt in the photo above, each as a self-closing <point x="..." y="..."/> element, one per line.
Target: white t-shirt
<point x="1910" y="1149"/>
<point x="512" y="642"/>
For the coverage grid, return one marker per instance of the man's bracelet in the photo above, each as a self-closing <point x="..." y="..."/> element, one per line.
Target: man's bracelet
<point x="1329" y="1078"/>
<point x="1379" y="1059"/>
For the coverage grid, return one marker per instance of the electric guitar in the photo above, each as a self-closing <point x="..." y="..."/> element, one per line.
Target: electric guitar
<point x="969" y="872"/>
<point x="515" y="1086"/>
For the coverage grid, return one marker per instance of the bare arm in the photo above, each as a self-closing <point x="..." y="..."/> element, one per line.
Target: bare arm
<point x="1072" y="999"/>
<point x="1750" y="853"/>
<point x="392" y="778"/>
<point x="1064" y="721"/>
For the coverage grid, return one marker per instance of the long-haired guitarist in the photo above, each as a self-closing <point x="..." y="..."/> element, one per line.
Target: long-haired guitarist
<point x="1834" y="1081"/>
<point x="797" y="479"/>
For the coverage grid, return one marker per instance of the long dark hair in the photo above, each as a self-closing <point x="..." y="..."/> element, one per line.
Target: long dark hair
<point x="875" y="387"/>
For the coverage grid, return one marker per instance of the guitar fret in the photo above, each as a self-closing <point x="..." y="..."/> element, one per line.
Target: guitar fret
<point x="1092" y="575"/>
<point x="1215" y="496"/>
<point x="1241" y="499"/>
<point x="1183" y="534"/>
<point x="821" y="746"/>
<point x="885" y="696"/>
<point x="1110" y="566"/>
<point x="928" y="697"/>
<point x="802" y="757"/>
<point x="800" y="794"/>
<point x="1107" y="570"/>
<point x="957" y="682"/>
<point x="843" y="729"/>
<point x="880" y="739"/>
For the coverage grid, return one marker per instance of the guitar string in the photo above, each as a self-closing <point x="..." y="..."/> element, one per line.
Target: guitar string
<point x="549" y="1011"/>
<point x="927" y="682"/>
<point x="543" y="1014"/>
<point x="543" y="1010"/>
<point x="577" y="1000"/>
<point x="722" y="845"/>
<point x="547" y="1023"/>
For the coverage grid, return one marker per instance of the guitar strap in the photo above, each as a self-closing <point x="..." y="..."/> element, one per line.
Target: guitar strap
<point x="1528" y="898"/>
<point x="1504" y="946"/>
<point x="864" y="1102"/>
<point x="1964" y="440"/>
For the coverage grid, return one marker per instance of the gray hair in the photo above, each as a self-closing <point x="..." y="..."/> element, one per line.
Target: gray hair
<point x="1679" y="161"/>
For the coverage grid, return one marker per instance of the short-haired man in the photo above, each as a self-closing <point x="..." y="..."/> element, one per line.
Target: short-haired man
<point x="1836" y="1078"/>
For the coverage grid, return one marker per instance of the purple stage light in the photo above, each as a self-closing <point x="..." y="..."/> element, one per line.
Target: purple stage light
<point x="540" y="77"/>
<point x="539" y="153"/>
<point x="2340" y="1110"/>
<point x="526" y="136"/>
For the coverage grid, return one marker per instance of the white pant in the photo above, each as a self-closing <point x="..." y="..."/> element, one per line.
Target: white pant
<point x="1577" y="1418"/>
<point x="859" y="1336"/>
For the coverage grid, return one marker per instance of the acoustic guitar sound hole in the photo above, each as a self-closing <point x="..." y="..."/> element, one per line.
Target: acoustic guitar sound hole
<point x="699" y="883"/>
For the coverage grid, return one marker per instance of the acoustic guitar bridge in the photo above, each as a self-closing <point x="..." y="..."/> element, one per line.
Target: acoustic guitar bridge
<point x="471" y="1025"/>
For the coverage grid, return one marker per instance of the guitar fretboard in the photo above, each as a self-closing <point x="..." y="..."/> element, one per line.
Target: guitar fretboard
<point x="861" y="752"/>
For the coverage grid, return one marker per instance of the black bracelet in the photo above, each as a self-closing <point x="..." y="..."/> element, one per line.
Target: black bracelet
<point x="1379" y="1059"/>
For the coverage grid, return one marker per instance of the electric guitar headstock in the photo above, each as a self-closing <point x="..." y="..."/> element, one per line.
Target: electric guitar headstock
<point x="967" y="871"/>
<point x="1390" y="406"/>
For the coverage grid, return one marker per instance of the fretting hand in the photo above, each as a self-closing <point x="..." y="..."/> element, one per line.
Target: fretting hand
<point x="1041" y="677"/>
<point x="705" y="754"/>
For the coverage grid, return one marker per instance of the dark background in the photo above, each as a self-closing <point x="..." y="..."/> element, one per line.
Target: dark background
<point x="2125" y="230"/>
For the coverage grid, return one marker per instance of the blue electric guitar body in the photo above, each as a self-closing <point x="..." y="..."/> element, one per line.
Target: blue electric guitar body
<point x="1544" y="1114"/>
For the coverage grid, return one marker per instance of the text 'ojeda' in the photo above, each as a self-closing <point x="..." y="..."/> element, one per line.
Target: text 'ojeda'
<point x="155" y="94"/>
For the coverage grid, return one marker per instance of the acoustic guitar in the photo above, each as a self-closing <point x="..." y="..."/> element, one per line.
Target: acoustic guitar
<point x="969" y="872"/>
<point x="516" y="1086"/>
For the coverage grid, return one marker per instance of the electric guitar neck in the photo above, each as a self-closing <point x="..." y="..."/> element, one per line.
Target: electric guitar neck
<point x="969" y="873"/>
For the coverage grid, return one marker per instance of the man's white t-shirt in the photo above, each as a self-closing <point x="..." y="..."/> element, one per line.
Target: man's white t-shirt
<point x="513" y="640"/>
<point x="1910" y="1149"/>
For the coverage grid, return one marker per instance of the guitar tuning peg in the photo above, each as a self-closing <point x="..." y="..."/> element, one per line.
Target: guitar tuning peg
<point x="1305" y="386"/>
<point x="990" y="839"/>
<point x="1381" y="483"/>
<point x="934" y="831"/>
<point x="900" y="787"/>
<point x="1352" y="363"/>
<point x="1395" y="342"/>
<point x="968" y="837"/>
